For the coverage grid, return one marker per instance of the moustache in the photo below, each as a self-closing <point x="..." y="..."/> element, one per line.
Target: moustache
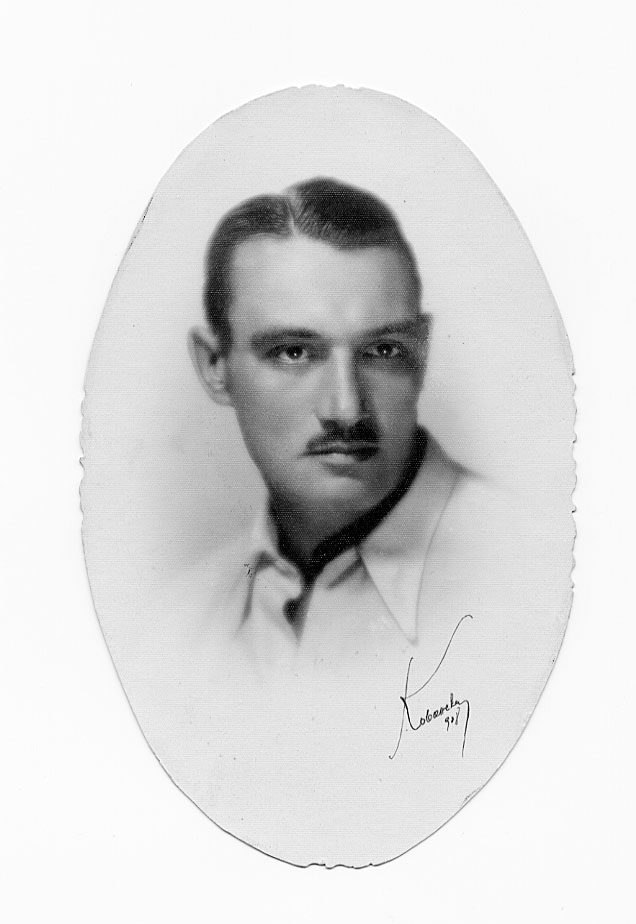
<point x="361" y="437"/>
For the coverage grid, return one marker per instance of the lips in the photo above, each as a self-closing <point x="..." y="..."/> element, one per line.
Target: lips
<point x="359" y="449"/>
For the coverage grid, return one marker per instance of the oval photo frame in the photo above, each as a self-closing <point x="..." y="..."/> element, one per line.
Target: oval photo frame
<point x="331" y="553"/>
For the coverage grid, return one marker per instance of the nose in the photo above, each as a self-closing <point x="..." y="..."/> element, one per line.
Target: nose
<point x="341" y="398"/>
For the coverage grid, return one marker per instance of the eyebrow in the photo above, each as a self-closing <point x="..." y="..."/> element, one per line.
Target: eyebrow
<point x="273" y="335"/>
<point x="413" y="326"/>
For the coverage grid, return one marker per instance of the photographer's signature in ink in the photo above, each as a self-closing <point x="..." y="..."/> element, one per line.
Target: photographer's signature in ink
<point x="453" y="711"/>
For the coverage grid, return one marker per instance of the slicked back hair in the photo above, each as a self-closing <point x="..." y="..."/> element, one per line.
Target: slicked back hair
<point x="322" y="209"/>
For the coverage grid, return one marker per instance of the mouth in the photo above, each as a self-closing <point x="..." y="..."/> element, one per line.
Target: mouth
<point x="360" y="450"/>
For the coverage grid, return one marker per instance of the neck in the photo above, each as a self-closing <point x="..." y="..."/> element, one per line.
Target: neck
<point x="301" y="530"/>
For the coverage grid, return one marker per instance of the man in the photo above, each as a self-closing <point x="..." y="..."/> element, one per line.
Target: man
<point x="315" y="336"/>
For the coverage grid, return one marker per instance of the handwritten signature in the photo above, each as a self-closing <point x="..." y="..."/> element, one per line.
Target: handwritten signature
<point x="450" y="710"/>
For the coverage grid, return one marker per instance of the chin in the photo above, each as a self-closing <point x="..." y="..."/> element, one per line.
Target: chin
<point x="345" y="492"/>
<point x="318" y="488"/>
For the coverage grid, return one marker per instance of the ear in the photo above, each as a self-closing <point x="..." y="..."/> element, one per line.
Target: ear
<point x="210" y="363"/>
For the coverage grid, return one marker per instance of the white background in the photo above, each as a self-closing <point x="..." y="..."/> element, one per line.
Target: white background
<point x="98" y="100"/>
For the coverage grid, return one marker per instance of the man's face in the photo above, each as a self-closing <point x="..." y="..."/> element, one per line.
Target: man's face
<point x="324" y="368"/>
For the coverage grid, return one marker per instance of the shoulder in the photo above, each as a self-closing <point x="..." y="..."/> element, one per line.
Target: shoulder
<point x="208" y="592"/>
<point x="501" y="541"/>
<point x="467" y="491"/>
<point x="215" y="578"/>
<point x="471" y="547"/>
<point x="187" y="632"/>
<point x="441" y="465"/>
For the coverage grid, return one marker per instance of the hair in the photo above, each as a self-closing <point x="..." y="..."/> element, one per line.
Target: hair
<point x="322" y="209"/>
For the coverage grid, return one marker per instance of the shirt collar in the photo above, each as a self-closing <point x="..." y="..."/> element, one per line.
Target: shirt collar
<point x="394" y="553"/>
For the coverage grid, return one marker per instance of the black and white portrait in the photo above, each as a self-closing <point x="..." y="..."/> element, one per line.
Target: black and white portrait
<point x="328" y="471"/>
<point x="316" y="338"/>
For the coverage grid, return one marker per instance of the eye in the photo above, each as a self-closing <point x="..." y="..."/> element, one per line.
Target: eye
<point x="290" y="354"/>
<point x="385" y="349"/>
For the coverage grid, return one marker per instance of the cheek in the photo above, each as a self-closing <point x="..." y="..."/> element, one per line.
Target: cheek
<point x="261" y="415"/>
<point x="267" y="405"/>
<point x="395" y="400"/>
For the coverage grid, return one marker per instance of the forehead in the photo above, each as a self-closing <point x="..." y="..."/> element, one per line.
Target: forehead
<point x="297" y="280"/>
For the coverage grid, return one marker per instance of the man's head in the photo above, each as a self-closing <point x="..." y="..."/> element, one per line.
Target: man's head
<point x="314" y="335"/>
